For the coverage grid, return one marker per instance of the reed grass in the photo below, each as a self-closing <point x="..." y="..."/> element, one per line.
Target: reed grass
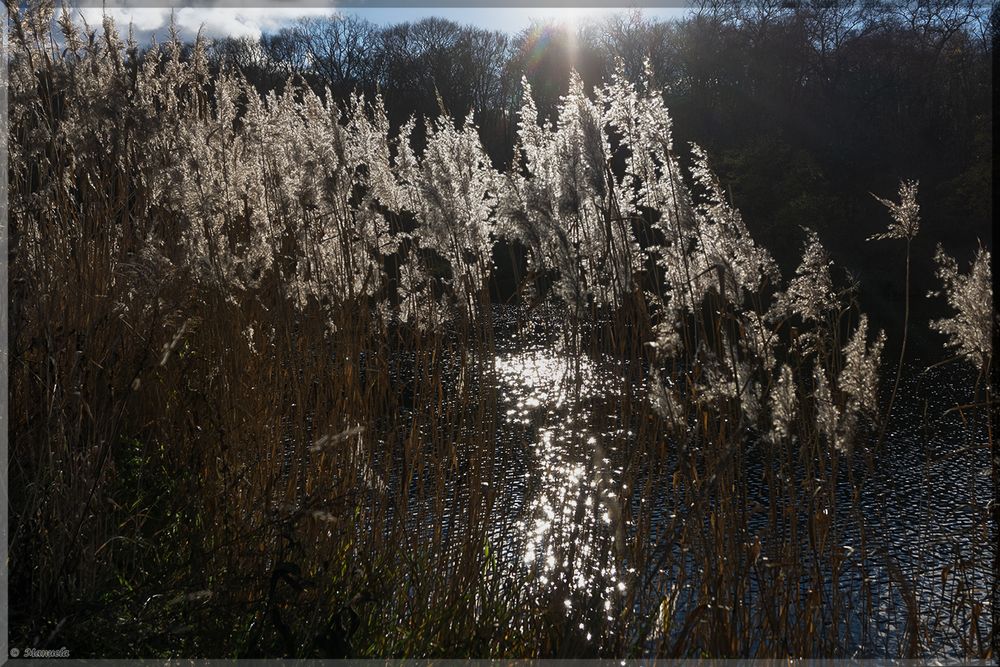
<point x="254" y="399"/>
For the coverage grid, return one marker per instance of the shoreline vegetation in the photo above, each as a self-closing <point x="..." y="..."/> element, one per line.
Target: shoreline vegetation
<point x="214" y="454"/>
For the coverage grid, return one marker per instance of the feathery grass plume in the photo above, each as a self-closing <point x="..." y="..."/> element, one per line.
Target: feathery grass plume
<point x="810" y="293"/>
<point x="905" y="225"/>
<point x="859" y="376"/>
<point x="723" y="239"/>
<point x="569" y="209"/>
<point x="368" y="150"/>
<point x="643" y="126"/>
<point x="784" y="404"/>
<point x="759" y="339"/>
<point x="905" y="214"/>
<point x="639" y="120"/>
<point x="827" y="412"/>
<point x="531" y="211"/>
<point x="452" y="189"/>
<point x="858" y="382"/>
<point x="578" y="150"/>
<point x="838" y="419"/>
<point x="724" y="380"/>
<point x="344" y="180"/>
<point x="970" y="295"/>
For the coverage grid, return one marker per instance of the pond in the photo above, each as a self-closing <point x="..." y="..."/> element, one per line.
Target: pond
<point x="573" y="489"/>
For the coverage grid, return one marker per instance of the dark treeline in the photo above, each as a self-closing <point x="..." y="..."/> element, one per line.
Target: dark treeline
<point x="804" y="111"/>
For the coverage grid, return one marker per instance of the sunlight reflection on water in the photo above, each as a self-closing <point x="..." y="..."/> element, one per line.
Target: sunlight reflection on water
<point x="572" y="524"/>
<point x="585" y="511"/>
<point x="571" y="528"/>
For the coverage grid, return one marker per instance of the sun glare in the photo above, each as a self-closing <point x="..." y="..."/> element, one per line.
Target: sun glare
<point x="571" y="16"/>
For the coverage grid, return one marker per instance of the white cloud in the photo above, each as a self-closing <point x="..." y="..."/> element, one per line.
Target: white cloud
<point x="144" y="19"/>
<point x="213" y="21"/>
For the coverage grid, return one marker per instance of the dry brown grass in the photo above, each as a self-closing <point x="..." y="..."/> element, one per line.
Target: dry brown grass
<point x="204" y="470"/>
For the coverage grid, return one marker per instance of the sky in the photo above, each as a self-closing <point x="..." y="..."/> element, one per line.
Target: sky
<point x="252" y="22"/>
